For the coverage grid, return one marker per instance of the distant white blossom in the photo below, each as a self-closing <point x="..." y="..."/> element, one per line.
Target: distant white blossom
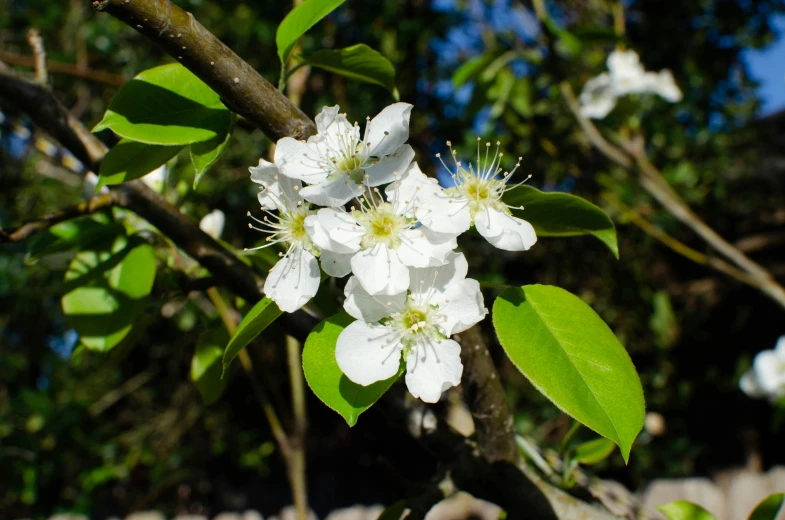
<point x="416" y="325"/>
<point x="155" y="179"/>
<point x="625" y="75"/>
<point x="294" y="280"/>
<point x="475" y="199"/>
<point x="766" y="377"/>
<point x="213" y="223"/>
<point x="338" y="164"/>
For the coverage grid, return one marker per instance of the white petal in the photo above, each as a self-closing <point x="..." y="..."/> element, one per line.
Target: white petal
<point x="343" y="230"/>
<point x="436" y="279"/>
<point x="402" y="192"/>
<point x="362" y="306"/>
<point x="627" y="74"/>
<point x="749" y="385"/>
<point x="294" y="280"/>
<point x="779" y="348"/>
<point x="462" y="305"/>
<point x="368" y="353"/>
<point x="333" y="194"/>
<point x="213" y="223"/>
<point x="299" y="160"/>
<point x="387" y="131"/>
<point x="279" y="189"/>
<point x="440" y="213"/>
<point x="667" y="88"/>
<point x="433" y="368"/>
<point x="598" y="97"/>
<point x="380" y="271"/>
<point x="769" y="371"/>
<point x="505" y="231"/>
<point x="326" y="117"/>
<point x="389" y="167"/>
<point x="336" y="264"/>
<point x="422" y="247"/>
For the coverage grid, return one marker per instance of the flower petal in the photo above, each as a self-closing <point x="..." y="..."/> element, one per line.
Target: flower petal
<point x="325" y="118"/>
<point x="749" y="385"/>
<point x="294" y="280"/>
<point x="213" y="223"/>
<point x="380" y="271"/>
<point x="505" y="231"/>
<point x="336" y="264"/>
<point x="386" y="132"/>
<point x="368" y="353"/>
<point x="299" y="160"/>
<point x="422" y="247"/>
<point x="342" y="229"/>
<point x="432" y="368"/>
<point x="361" y="305"/>
<point x="333" y="194"/>
<point x="436" y="279"/>
<point x="462" y="305"/>
<point x="598" y="97"/>
<point x="389" y="167"/>
<point x="770" y="372"/>
<point x="278" y="188"/>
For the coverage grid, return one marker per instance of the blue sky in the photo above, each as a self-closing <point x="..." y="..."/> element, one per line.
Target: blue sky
<point x="768" y="67"/>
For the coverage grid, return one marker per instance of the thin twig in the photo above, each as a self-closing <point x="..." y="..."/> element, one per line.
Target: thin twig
<point x="69" y="69"/>
<point x="632" y="156"/>
<point x="28" y="229"/>
<point x="297" y="445"/>
<point x="36" y="43"/>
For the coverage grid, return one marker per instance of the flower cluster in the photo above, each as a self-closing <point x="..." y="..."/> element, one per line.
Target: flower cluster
<point x="766" y="378"/>
<point x="625" y="75"/>
<point x="358" y="204"/>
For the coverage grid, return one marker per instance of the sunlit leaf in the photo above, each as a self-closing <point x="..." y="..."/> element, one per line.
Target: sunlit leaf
<point x="298" y="21"/>
<point x="683" y="510"/>
<point x="206" y="367"/>
<point x="769" y="508"/>
<point x="129" y="160"/>
<point x="358" y="62"/>
<point x="593" y="451"/>
<point x="255" y="321"/>
<point x="206" y="153"/>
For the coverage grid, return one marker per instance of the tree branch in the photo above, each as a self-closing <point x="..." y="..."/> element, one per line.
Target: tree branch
<point x="28" y="229"/>
<point x="239" y="85"/>
<point x="64" y="68"/>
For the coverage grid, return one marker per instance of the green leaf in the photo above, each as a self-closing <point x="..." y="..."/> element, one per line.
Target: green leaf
<point x="325" y="377"/>
<point x="78" y="233"/>
<point x="358" y="62"/>
<point x="683" y="510"/>
<point x="298" y="21"/>
<point x="258" y="318"/>
<point x="769" y="508"/>
<point x="593" y="451"/>
<point x="471" y="68"/>
<point x="106" y="289"/>
<point x="572" y="357"/>
<point x="166" y="105"/>
<point x="206" y="365"/>
<point x="129" y="160"/>
<point x="394" y="512"/>
<point x="563" y="215"/>
<point x="206" y="153"/>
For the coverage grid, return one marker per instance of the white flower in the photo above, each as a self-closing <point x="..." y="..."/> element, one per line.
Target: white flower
<point x="626" y="73"/>
<point x="440" y="302"/>
<point x="155" y="179"/>
<point x="377" y="243"/>
<point x="213" y="223"/>
<point x="295" y="278"/>
<point x="475" y="199"/>
<point x="766" y="378"/>
<point x="663" y="84"/>
<point x="598" y="97"/>
<point x="338" y="164"/>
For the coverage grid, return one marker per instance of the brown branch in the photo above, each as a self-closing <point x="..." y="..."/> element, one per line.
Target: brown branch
<point x="632" y="156"/>
<point x="28" y="229"/>
<point x="70" y="69"/>
<point x="239" y="85"/>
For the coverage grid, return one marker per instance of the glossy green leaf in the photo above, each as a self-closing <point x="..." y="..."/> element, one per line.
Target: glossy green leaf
<point x="206" y="153"/>
<point x="166" y="105"/>
<point x="358" y="62"/>
<point x="683" y="510"/>
<point x="129" y="160"/>
<point x="298" y="21"/>
<point x="325" y="377"/>
<point x="394" y="512"/>
<point x="572" y="357"/>
<point x="563" y="215"/>
<point x="255" y="321"/>
<point x="593" y="451"/>
<point x="769" y="508"/>
<point x="206" y="367"/>
<point x="106" y="289"/>
<point x="79" y="233"/>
